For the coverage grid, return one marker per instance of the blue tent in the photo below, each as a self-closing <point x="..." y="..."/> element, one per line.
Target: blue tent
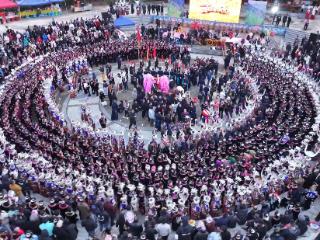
<point x="123" y="21"/>
<point x="27" y="3"/>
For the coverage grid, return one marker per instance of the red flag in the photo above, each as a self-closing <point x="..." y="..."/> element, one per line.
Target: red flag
<point x="154" y="52"/>
<point x="138" y="35"/>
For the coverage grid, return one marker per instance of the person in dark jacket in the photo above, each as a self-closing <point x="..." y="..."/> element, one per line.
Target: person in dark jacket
<point x="121" y="222"/>
<point x="150" y="232"/>
<point x="302" y="224"/>
<point x="135" y="228"/>
<point x="287" y="234"/>
<point x="252" y="214"/>
<point x="288" y="21"/>
<point x="60" y="231"/>
<point x="222" y="221"/>
<point x="185" y="231"/>
<point x="276" y="235"/>
<point x="90" y="225"/>
<point x="119" y="61"/>
<point x="72" y="231"/>
<point x="104" y="222"/>
<point x="114" y="113"/>
<point x="284" y="20"/>
<point x="225" y="234"/>
<point x="5" y="182"/>
<point x="242" y="215"/>
<point x="252" y="234"/>
<point x="232" y="221"/>
<point x="44" y="235"/>
<point x="132" y="119"/>
<point x="276" y="218"/>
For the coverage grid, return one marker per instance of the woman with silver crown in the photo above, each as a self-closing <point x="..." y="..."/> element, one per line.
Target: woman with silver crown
<point x="151" y="207"/>
<point x="205" y="206"/>
<point x="141" y="198"/>
<point x="195" y="210"/>
<point x="69" y="188"/>
<point x="183" y="198"/>
<point x="216" y="203"/>
<point x="91" y="193"/>
<point x="123" y="202"/>
<point x="134" y="203"/>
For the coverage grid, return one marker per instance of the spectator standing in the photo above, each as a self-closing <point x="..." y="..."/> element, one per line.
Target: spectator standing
<point x="90" y="225"/>
<point x="284" y="20"/>
<point x="288" y="21"/>
<point x="163" y="229"/>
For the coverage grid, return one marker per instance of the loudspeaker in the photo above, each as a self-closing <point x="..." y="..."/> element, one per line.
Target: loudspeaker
<point x="314" y="37"/>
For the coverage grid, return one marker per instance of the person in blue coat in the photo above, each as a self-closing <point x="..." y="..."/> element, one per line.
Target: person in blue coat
<point x="114" y="114"/>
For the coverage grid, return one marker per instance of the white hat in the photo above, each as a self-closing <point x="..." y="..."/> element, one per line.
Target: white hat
<point x="159" y="191"/>
<point x="194" y="191"/>
<point x="204" y="188"/>
<point x="123" y="198"/>
<point x="167" y="191"/>
<point x="171" y="206"/>
<point x="147" y="167"/>
<point x="207" y="198"/>
<point x="131" y="187"/>
<point x="176" y="189"/>
<point x="169" y="201"/>
<point x="241" y="190"/>
<point x="59" y="223"/>
<point x="129" y="216"/>
<point x="185" y="190"/>
<point x="181" y="202"/>
<point x="151" y="202"/>
<point x="196" y="200"/>
<point x="141" y="187"/>
<point x="151" y="190"/>
<point x="110" y="192"/>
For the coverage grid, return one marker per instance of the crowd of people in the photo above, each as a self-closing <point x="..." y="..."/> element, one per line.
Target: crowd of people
<point x="286" y="20"/>
<point x="305" y="53"/>
<point x="221" y="96"/>
<point x="198" y="186"/>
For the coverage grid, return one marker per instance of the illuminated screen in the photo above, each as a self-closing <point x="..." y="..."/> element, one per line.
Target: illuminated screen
<point x="215" y="10"/>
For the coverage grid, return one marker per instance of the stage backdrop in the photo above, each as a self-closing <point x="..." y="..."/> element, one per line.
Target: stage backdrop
<point x="175" y="8"/>
<point x="255" y="12"/>
<point x="215" y="10"/>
